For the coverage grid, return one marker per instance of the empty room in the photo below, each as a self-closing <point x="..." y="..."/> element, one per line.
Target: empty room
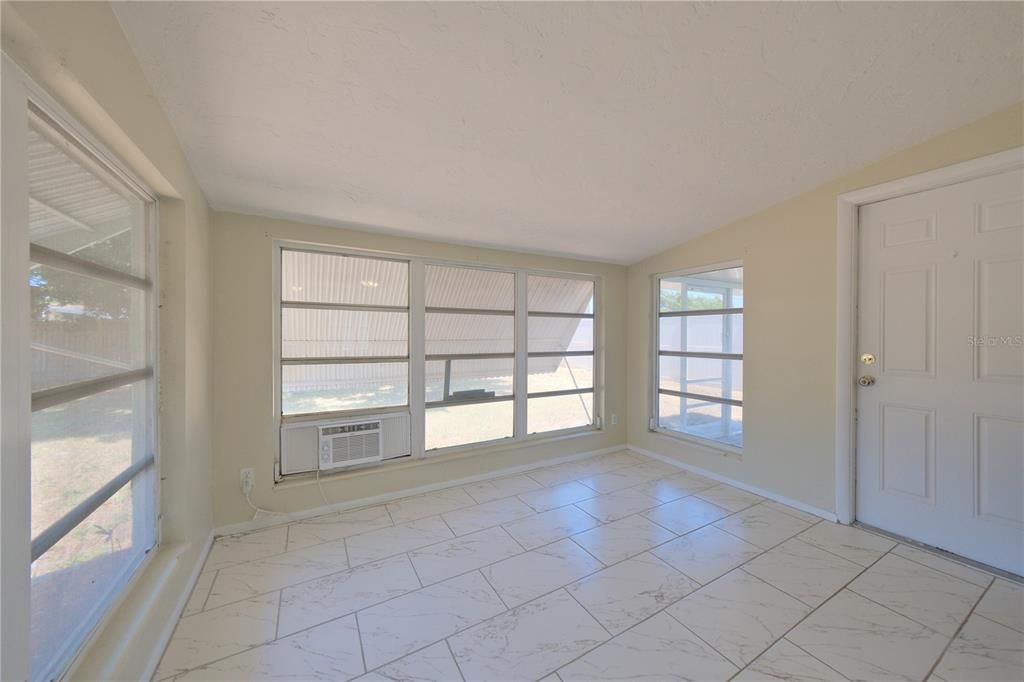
<point x="512" y="341"/>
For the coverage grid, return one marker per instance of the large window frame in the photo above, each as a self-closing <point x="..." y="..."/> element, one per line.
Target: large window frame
<point x="24" y="102"/>
<point x="656" y="353"/>
<point x="417" y="358"/>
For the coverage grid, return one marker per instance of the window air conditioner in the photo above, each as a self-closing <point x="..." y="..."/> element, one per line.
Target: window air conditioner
<point x="348" y="444"/>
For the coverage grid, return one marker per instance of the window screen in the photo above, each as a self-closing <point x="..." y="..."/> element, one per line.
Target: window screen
<point x="560" y="344"/>
<point x="344" y="332"/>
<point x="93" y="484"/>
<point x="470" y="349"/>
<point x="699" y="371"/>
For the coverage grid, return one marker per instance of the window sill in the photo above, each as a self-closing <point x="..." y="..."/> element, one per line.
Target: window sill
<point x="711" y="446"/>
<point x="440" y="455"/>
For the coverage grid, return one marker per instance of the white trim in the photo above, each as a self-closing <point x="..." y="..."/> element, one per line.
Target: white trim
<point x="287" y="517"/>
<point x="781" y="499"/>
<point x="712" y="446"/>
<point x="521" y="364"/>
<point x="179" y="608"/>
<point x="15" y="384"/>
<point x="846" y="298"/>
<point x="416" y="398"/>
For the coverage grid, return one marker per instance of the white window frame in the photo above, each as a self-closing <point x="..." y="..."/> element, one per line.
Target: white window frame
<point x="655" y="353"/>
<point x="417" y="356"/>
<point x="20" y="96"/>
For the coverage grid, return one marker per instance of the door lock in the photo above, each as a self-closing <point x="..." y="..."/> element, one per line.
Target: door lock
<point x="866" y="380"/>
<point x="867" y="359"/>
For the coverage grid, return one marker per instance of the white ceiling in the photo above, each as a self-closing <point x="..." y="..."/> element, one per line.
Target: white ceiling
<point x="605" y="131"/>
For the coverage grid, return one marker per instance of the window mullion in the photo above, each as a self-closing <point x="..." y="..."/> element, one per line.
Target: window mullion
<point x="521" y="367"/>
<point x="417" y="356"/>
<point x="15" y="383"/>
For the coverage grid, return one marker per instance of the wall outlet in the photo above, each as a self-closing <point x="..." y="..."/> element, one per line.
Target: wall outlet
<point x="615" y="419"/>
<point x="247" y="480"/>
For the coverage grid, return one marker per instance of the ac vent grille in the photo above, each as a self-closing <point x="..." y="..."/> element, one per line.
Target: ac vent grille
<point x="360" y="446"/>
<point x="343" y="445"/>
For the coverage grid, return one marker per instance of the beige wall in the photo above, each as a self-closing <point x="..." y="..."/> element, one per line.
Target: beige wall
<point x="243" y="390"/>
<point x="78" y="53"/>
<point x="789" y="255"/>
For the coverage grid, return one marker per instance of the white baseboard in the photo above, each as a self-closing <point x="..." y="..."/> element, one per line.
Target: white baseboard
<point x="781" y="499"/>
<point x="280" y="518"/>
<point x="179" y="608"/>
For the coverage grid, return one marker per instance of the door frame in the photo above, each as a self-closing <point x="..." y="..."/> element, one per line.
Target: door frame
<point x="847" y="271"/>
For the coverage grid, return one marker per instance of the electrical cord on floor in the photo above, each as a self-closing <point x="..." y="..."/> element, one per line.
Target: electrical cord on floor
<point x="257" y="510"/>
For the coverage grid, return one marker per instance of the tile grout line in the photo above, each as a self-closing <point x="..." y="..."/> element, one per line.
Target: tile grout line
<point x="359" y="636"/>
<point x="810" y="613"/>
<point x="996" y="622"/>
<point x="277" y="617"/>
<point x="414" y="572"/>
<point x="749" y="542"/>
<point x="709" y="644"/>
<point x="956" y="634"/>
<point x="495" y="590"/>
<point x="892" y="610"/>
<point x="808" y="653"/>
<point x="455" y="659"/>
<point x="209" y="591"/>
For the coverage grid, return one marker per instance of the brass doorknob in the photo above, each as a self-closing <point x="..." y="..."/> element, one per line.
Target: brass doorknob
<point x="866" y="380"/>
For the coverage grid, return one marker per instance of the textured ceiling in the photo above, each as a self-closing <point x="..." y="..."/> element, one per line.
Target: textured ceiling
<point x="606" y="131"/>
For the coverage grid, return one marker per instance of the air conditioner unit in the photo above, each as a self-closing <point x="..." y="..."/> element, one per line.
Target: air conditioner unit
<point x="301" y="441"/>
<point x="350" y="443"/>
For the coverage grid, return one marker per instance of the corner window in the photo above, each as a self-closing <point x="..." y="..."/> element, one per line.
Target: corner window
<point x="699" y="345"/>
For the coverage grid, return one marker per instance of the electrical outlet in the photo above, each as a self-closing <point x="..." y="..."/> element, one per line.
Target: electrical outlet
<point x="247" y="479"/>
<point x="615" y="419"/>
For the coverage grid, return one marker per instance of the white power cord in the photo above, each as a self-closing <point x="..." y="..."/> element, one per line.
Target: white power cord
<point x="247" y="492"/>
<point x="257" y="510"/>
<point x="323" y="495"/>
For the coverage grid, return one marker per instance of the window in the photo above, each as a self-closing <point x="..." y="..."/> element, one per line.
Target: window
<point x="474" y="354"/>
<point x="344" y="333"/>
<point x="699" y="341"/>
<point x="561" y="353"/>
<point x="470" y="355"/>
<point x="93" y="516"/>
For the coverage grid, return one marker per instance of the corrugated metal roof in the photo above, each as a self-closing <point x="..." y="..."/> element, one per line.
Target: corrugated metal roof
<point x="335" y="278"/>
<point x="70" y="206"/>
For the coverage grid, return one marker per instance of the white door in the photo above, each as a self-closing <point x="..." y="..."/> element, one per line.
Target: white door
<point x="940" y="433"/>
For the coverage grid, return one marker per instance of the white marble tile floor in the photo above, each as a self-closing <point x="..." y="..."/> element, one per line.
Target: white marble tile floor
<point x="615" y="567"/>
